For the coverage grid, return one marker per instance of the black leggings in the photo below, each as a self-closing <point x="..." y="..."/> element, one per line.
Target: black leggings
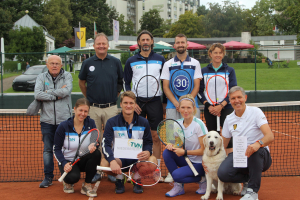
<point x="87" y="164"/>
<point x="211" y="121"/>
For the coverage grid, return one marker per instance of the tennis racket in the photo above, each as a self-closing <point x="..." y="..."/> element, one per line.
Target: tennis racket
<point x="171" y="132"/>
<point x="215" y="96"/>
<point x="91" y="138"/>
<point x="144" y="173"/>
<point x="181" y="83"/>
<point x="146" y="89"/>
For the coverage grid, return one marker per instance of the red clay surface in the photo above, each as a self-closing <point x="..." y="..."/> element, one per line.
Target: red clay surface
<point x="272" y="188"/>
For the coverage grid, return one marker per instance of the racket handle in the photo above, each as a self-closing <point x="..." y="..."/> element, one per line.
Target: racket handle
<point x="191" y="166"/>
<point x="218" y="123"/>
<point x="99" y="168"/>
<point x="62" y="177"/>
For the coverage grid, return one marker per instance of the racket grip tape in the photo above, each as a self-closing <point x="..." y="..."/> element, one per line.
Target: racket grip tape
<point x="191" y="166"/>
<point x="62" y="177"/>
<point x="99" y="168"/>
<point x="218" y="123"/>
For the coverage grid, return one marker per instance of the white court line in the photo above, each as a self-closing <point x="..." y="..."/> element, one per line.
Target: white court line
<point x="95" y="189"/>
<point x="290" y="122"/>
<point x="285" y="134"/>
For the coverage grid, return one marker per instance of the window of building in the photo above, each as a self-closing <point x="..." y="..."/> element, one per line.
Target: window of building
<point x="175" y="16"/>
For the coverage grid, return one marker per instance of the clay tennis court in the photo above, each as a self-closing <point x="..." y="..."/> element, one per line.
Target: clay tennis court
<point x="21" y="168"/>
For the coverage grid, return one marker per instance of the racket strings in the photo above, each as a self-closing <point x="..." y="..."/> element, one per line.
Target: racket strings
<point x="91" y="138"/>
<point x="171" y="132"/>
<point x="145" y="173"/>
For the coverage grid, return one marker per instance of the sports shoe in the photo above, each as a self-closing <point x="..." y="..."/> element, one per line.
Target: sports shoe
<point x="176" y="190"/>
<point x="137" y="188"/>
<point x="169" y="178"/>
<point x="161" y="179"/>
<point x="97" y="177"/>
<point x="120" y="188"/>
<point x="88" y="190"/>
<point x="250" y="195"/>
<point x="68" y="188"/>
<point x="46" y="182"/>
<point x="244" y="190"/>
<point x="202" y="187"/>
<point x="111" y="178"/>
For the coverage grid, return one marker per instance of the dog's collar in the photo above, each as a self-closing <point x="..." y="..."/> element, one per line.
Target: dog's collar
<point x="218" y="151"/>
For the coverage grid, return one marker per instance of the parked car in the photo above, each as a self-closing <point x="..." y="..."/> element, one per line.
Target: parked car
<point x="26" y="81"/>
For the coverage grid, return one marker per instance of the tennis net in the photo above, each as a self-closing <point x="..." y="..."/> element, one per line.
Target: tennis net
<point x="21" y="146"/>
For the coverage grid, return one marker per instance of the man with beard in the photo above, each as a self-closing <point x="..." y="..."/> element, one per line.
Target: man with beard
<point x="146" y="62"/>
<point x="192" y="66"/>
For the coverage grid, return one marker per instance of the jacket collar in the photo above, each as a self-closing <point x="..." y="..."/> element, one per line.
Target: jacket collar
<point x="134" y="119"/>
<point x="188" y="58"/>
<point x="141" y="57"/>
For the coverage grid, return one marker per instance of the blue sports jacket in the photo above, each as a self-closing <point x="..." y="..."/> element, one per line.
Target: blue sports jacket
<point x="219" y="88"/>
<point x="117" y="127"/>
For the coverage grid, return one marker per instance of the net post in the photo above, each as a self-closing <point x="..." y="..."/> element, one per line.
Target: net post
<point x="255" y="67"/>
<point x="1" y="73"/>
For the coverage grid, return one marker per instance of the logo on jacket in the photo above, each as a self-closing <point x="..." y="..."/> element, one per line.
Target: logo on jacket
<point x="72" y="139"/>
<point x="121" y="134"/>
<point x="138" y="67"/>
<point x="92" y="68"/>
<point x="46" y="83"/>
<point x="234" y="126"/>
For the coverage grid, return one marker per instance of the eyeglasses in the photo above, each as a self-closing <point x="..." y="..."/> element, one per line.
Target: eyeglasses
<point x="53" y="64"/>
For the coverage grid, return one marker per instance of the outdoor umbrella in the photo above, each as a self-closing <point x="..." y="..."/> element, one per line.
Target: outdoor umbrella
<point x="157" y="48"/>
<point x="234" y="45"/>
<point x="193" y="45"/>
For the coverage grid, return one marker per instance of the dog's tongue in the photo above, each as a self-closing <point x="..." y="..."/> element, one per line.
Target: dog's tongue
<point x="211" y="148"/>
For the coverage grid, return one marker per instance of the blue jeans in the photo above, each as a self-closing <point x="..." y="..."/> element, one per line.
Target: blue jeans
<point x="48" y="131"/>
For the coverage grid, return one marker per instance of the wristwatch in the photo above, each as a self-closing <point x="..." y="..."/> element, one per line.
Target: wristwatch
<point x="260" y="142"/>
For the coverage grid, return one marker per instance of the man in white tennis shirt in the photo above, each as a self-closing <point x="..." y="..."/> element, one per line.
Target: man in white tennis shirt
<point x="250" y="122"/>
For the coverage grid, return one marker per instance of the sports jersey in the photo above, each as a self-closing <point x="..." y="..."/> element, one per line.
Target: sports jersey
<point x="66" y="139"/>
<point x="192" y="133"/>
<point x="247" y="125"/>
<point x="191" y="65"/>
<point x="136" y="67"/>
<point x="117" y="127"/>
<point x="217" y="87"/>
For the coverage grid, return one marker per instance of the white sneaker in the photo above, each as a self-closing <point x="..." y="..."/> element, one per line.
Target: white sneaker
<point x="176" y="190"/>
<point x="202" y="187"/>
<point x="68" y="188"/>
<point x="244" y="190"/>
<point x="169" y="178"/>
<point x="250" y="195"/>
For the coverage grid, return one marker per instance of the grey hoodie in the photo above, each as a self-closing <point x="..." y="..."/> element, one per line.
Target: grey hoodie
<point x="47" y="90"/>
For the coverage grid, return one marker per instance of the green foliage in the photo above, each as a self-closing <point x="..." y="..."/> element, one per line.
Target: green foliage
<point x="57" y="18"/>
<point x="126" y="28"/>
<point x="6" y="22"/>
<point x="189" y="24"/>
<point x="125" y="56"/>
<point x="25" y="40"/>
<point x="151" y="20"/>
<point x="201" y="10"/>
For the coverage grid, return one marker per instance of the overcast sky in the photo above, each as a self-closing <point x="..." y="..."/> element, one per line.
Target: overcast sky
<point x="248" y="3"/>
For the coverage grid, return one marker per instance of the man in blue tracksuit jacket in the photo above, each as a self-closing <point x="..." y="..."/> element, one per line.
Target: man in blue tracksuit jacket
<point x="126" y="125"/>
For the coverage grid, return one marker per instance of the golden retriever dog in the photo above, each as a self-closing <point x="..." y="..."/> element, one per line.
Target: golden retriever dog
<point x="213" y="156"/>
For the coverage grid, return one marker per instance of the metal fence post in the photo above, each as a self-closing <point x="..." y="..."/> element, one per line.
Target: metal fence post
<point x="255" y="67"/>
<point x="65" y="61"/>
<point x="1" y="73"/>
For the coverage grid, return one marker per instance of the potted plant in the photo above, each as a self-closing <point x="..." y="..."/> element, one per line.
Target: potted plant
<point x="263" y="59"/>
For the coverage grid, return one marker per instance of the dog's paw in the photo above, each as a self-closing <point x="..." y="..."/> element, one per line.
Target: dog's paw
<point x="219" y="197"/>
<point x="205" y="197"/>
<point x="236" y="193"/>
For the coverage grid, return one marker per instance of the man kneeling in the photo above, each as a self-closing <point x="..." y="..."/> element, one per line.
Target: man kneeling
<point x="127" y="125"/>
<point x="250" y="122"/>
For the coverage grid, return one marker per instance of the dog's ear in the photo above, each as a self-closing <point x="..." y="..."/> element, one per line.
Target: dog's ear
<point x="222" y="144"/>
<point x="204" y="140"/>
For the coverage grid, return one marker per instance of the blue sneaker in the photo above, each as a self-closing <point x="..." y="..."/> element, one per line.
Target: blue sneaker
<point x="111" y="178"/>
<point x="46" y="182"/>
<point x="97" y="177"/>
<point x="176" y="190"/>
<point x="137" y="188"/>
<point x="120" y="188"/>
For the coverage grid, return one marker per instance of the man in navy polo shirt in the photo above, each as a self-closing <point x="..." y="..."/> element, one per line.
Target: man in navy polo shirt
<point x="101" y="81"/>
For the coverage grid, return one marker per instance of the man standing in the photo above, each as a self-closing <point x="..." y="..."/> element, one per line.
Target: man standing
<point x="149" y="63"/>
<point x="127" y="125"/>
<point x="101" y="81"/>
<point x="54" y="89"/>
<point x="192" y="66"/>
<point x="27" y="65"/>
<point x="252" y="123"/>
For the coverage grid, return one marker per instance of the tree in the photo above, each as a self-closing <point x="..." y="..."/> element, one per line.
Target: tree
<point x="226" y="21"/>
<point x="163" y="29"/>
<point x="263" y="9"/>
<point x="189" y="24"/>
<point x="25" y="40"/>
<point x="6" y="23"/>
<point x="57" y="18"/>
<point x="201" y="10"/>
<point x="151" y="20"/>
<point x="126" y="28"/>
<point x="87" y="12"/>
<point x="69" y="42"/>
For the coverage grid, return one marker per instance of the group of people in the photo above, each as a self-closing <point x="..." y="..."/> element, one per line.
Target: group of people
<point x="101" y="82"/>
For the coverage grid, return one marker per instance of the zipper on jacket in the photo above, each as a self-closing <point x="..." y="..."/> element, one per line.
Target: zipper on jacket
<point x="54" y="107"/>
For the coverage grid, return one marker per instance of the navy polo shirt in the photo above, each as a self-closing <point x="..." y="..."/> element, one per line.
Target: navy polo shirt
<point x="103" y="78"/>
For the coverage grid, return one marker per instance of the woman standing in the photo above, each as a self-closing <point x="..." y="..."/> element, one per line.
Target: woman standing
<point x="66" y="141"/>
<point x="223" y="107"/>
<point x="194" y="131"/>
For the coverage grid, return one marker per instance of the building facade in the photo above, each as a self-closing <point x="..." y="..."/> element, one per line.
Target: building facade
<point x="169" y="9"/>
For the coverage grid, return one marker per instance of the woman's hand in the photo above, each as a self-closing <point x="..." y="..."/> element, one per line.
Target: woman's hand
<point x="215" y="110"/>
<point x="92" y="147"/>
<point x="178" y="151"/>
<point x="169" y="147"/>
<point x="204" y="167"/>
<point x="68" y="167"/>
